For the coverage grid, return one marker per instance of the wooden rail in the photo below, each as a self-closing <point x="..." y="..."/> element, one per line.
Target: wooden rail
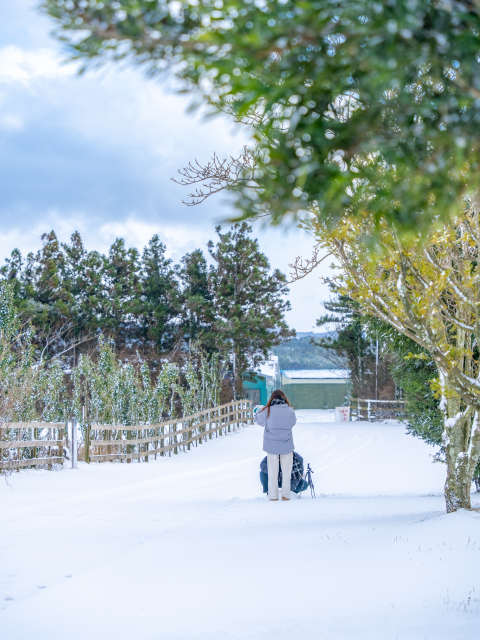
<point x="134" y="442"/>
<point x="21" y="444"/>
<point x="365" y="409"/>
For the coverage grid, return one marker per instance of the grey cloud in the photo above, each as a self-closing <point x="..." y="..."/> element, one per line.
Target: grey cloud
<point x="97" y="150"/>
<point x="80" y="148"/>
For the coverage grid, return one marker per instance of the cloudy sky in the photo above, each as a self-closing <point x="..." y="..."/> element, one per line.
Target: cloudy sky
<point x="96" y="153"/>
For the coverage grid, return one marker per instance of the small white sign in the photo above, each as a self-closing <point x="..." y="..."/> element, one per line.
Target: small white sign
<point x="342" y="414"/>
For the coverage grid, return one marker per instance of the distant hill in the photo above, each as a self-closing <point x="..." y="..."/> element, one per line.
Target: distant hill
<point x="300" y="354"/>
<point x="314" y="334"/>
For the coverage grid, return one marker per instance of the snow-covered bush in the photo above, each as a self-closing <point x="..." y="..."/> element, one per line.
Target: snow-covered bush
<point x="101" y="390"/>
<point x="109" y="392"/>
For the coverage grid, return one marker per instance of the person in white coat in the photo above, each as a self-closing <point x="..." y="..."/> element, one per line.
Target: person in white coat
<point x="278" y="419"/>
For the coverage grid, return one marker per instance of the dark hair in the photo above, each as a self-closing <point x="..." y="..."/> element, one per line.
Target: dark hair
<point x="277" y="394"/>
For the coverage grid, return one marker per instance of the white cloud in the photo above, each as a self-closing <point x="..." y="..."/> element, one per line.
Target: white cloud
<point x="96" y="153"/>
<point x="12" y="122"/>
<point x="179" y="239"/>
<point x="18" y="65"/>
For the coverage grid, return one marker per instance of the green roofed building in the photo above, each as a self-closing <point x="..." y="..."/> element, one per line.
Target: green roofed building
<point x="268" y="379"/>
<point x="316" y="388"/>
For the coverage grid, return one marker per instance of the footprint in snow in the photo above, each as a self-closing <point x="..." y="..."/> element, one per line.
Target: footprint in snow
<point x="41" y="586"/>
<point x="8" y="598"/>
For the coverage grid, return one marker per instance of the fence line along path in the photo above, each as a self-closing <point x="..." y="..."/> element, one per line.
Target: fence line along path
<point x="120" y="442"/>
<point x="364" y="409"/>
<point x="31" y="444"/>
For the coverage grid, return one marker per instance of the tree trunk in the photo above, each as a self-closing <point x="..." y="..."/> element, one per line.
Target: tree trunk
<point x="461" y="438"/>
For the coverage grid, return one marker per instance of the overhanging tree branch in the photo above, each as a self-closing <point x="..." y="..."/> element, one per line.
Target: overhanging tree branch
<point x="220" y="175"/>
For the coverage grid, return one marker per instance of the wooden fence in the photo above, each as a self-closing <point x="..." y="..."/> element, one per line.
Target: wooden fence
<point x="37" y="444"/>
<point x="31" y="444"/>
<point x="110" y="442"/>
<point x="376" y="409"/>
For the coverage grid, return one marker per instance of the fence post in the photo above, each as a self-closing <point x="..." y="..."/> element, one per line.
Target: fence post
<point x="129" y="446"/>
<point x="49" y="448"/>
<point x="74" y="444"/>
<point x="60" y="448"/>
<point x="87" y="444"/>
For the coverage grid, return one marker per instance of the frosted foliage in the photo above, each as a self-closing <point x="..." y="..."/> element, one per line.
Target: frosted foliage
<point x="428" y="290"/>
<point x="18" y="373"/>
<point x="102" y="391"/>
<point x="51" y="393"/>
<point x="203" y="376"/>
<point x="110" y="392"/>
<point x="30" y="390"/>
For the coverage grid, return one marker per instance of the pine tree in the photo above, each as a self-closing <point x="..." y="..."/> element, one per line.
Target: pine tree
<point x="159" y="299"/>
<point x="83" y="281"/>
<point x="12" y="272"/>
<point x="197" y="310"/>
<point x="42" y="297"/>
<point x="48" y="292"/>
<point x="149" y="305"/>
<point x="249" y="302"/>
<point x="121" y="277"/>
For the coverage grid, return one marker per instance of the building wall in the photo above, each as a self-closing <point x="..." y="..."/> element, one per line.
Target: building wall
<point x="260" y="384"/>
<point x="286" y="380"/>
<point x="316" y="396"/>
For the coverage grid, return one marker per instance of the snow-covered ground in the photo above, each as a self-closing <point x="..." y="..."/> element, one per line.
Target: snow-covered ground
<point x="188" y="548"/>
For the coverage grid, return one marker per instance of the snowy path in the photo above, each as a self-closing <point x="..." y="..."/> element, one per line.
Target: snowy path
<point x="185" y="548"/>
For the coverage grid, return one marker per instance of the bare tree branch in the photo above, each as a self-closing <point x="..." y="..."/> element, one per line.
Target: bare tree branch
<point x="302" y="267"/>
<point x="219" y="175"/>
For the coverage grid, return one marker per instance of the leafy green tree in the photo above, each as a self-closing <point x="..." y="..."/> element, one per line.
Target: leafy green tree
<point x="83" y="279"/>
<point x="121" y="276"/>
<point x="343" y="96"/>
<point x="197" y="308"/>
<point x="146" y="304"/>
<point x="158" y="305"/>
<point x="428" y="292"/>
<point x="12" y="272"/>
<point x="415" y="373"/>
<point x="249" y="301"/>
<point x="42" y="295"/>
